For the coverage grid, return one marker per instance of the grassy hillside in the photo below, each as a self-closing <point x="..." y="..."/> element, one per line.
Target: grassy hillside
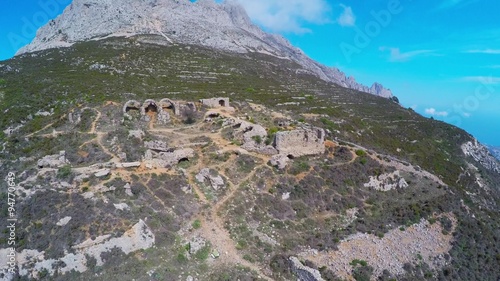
<point x="92" y="74"/>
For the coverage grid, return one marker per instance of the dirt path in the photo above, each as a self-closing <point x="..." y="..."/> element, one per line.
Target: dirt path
<point x="94" y="123"/>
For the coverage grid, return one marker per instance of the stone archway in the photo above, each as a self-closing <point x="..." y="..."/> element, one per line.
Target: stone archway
<point x="222" y="103"/>
<point x="150" y="106"/>
<point x="131" y="105"/>
<point x="169" y="104"/>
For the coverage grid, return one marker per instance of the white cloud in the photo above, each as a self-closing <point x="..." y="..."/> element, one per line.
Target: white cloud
<point x="432" y="111"/>
<point x="485" y="51"/>
<point x="287" y="15"/>
<point x="347" y="18"/>
<point x="466" y="114"/>
<point x="397" y="56"/>
<point x="488" y="80"/>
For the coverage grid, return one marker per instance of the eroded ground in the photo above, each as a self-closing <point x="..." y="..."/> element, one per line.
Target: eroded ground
<point x="238" y="220"/>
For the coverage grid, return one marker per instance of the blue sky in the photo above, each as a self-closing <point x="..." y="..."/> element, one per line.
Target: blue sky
<point x="442" y="57"/>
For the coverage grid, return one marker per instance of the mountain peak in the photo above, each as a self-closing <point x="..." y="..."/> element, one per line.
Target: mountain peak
<point x="223" y="26"/>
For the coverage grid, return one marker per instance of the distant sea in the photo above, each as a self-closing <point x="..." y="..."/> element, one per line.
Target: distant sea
<point x="484" y="127"/>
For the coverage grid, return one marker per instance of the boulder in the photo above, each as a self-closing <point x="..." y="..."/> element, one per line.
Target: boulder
<point x="280" y="161"/>
<point x="304" y="273"/>
<point x="53" y="161"/>
<point x="156" y="145"/>
<point x="139" y="134"/>
<point x="128" y="165"/>
<point x="216" y="181"/>
<point x="102" y="173"/>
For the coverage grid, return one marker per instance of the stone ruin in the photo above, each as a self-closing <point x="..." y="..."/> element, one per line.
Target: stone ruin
<point x="161" y="109"/>
<point x="285" y="146"/>
<point x="249" y="134"/>
<point x="167" y="159"/>
<point x="159" y="155"/>
<point x="300" y="142"/>
<point x="215" y="102"/>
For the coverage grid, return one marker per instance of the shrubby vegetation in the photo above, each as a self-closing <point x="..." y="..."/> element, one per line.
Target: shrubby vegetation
<point x="319" y="191"/>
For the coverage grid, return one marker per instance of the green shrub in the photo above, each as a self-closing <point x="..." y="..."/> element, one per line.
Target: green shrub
<point x="270" y="135"/>
<point x="203" y="253"/>
<point x="242" y="244"/>
<point x="355" y="262"/>
<point x="64" y="172"/>
<point x="196" y="224"/>
<point x="360" y="152"/>
<point x="257" y="139"/>
<point x="299" y="167"/>
<point x="250" y="90"/>
<point x="181" y="258"/>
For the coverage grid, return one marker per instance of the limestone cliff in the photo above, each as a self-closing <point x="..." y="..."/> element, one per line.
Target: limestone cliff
<point x="223" y="26"/>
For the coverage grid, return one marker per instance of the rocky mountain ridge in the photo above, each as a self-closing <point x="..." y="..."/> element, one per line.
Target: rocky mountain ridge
<point x="481" y="154"/>
<point x="495" y="151"/>
<point x="388" y="194"/>
<point x="223" y="26"/>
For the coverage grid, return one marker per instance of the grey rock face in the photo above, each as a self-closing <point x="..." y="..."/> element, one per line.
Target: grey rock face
<point x="53" y="161"/>
<point x="252" y="135"/>
<point x="156" y="145"/>
<point x="482" y="155"/>
<point x="279" y="161"/>
<point x="220" y="26"/>
<point x="216" y="182"/>
<point x="102" y="173"/>
<point x="139" y="134"/>
<point x="196" y="244"/>
<point x="300" y="142"/>
<point x="495" y="151"/>
<point x="303" y="272"/>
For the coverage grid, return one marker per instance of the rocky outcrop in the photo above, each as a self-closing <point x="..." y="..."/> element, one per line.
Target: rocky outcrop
<point x="301" y="142"/>
<point x="495" y="151"/>
<point x="482" y="155"/>
<point x="223" y="26"/>
<point x="253" y="136"/>
<point x="303" y="272"/>
<point x="53" y="161"/>
<point x="216" y="181"/>
<point x="32" y="262"/>
<point x="138" y="134"/>
<point x="280" y="161"/>
<point x="386" y="182"/>
<point x="156" y="145"/>
<point x="128" y="165"/>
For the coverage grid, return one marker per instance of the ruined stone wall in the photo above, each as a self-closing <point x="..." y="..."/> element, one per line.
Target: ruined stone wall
<point x="216" y="102"/>
<point x="300" y="142"/>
